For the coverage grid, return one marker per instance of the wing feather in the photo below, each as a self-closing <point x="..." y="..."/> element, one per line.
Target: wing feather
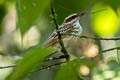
<point x="53" y="38"/>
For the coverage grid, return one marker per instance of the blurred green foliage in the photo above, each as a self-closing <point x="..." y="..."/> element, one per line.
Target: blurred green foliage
<point x="29" y="12"/>
<point x="64" y="8"/>
<point x="2" y="14"/>
<point x="36" y="12"/>
<point x="114" y="4"/>
<point x="105" y="23"/>
<point x="2" y="2"/>
<point x="72" y="70"/>
<point x="110" y="71"/>
<point x="32" y="58"/>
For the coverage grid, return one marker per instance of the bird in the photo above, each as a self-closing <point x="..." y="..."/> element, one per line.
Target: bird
<point x="70" y="25"/>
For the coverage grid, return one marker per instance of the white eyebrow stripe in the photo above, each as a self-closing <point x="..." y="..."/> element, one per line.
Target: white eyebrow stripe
<point x="67" y="18"/>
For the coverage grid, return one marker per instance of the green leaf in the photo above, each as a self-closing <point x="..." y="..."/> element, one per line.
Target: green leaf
<point x="30" y="60"/>
<point x="72" y="69"/>
<point x="2" y="2"/>
<point x="114" y="4"/>
<point x="63" y="9"/>
<point x="2" y="14"/>
<point x="28" y="12"/>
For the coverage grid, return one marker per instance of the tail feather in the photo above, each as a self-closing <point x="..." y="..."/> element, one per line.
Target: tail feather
<point x="50" y="42"/>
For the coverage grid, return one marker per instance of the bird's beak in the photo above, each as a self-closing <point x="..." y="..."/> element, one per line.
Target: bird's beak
<point x="82" y="14"/>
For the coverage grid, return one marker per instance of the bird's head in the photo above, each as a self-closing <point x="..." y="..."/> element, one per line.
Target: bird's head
<point x="73" y="17"/>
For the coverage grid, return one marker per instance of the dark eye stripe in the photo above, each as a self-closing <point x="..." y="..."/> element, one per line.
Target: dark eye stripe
<point x="68" y="19"/>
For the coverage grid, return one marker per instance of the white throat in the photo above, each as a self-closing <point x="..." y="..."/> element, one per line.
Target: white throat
<point x="78" y="26"/>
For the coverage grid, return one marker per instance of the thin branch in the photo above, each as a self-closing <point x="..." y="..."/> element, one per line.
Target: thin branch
<point x="7" y="66"/>
<point x="46" y="67"/>
<point x="94" y="38"/>
<point x="109" y="49"/>
<point x="58" y="33"/>
<point x="82" y="36"/>
<point x="49" y="59"/>
<point x="118" y="57"/>
<point x="4" y="54"/>
<point x="49" y="67"/>
<point x="56" y="58"/>
<point x="1" y="53"/>
<point x="61" y="58"/>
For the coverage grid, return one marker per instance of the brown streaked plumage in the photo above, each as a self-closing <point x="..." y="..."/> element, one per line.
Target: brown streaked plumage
<point x="70" y="25"/>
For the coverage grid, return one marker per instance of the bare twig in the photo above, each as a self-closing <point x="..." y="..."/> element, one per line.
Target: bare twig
<point x="56" y="58"/>
<point x="109" y="49"/>
<point x="94" y="38"/>
<point x="4" y="54"/>
<point x="60" y="62"/>
<point x="49" y="67"/>
<point x="82" y="36"/>
<point x="7" y="67"/>
<point x="118" y="57"/>
<point x="58" y="33"/>
<point x="62" y="56"/>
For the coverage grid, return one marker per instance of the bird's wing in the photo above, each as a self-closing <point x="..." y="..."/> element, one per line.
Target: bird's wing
<point x="53" y="39"/>
<point x="66" y="28"/>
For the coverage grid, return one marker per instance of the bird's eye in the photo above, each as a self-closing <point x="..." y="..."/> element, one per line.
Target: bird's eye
<point x="70" y="18"/>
